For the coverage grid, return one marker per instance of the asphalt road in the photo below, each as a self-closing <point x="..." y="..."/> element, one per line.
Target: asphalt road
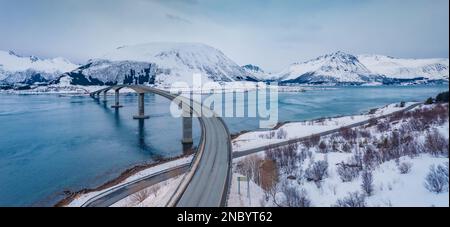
<point x="200" y="192"/>
<point x="120" y="192"/>
<point x="297" y="140"/>
<point x="207" y="181"/>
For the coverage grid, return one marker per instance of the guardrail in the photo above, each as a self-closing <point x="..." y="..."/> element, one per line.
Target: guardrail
<point x="175" y="198"/>
<point x="117" y="187"/>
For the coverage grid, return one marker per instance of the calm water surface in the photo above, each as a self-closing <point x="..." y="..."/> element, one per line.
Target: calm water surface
<point x="52" y="143"/>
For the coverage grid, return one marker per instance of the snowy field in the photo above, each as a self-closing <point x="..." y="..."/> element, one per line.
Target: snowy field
<point x="157" y="195"/>
<point x="81" y="199"/>
<point x="386" y="164"/>
<point x="64" y="87"/>
<point x="306" y="128"/>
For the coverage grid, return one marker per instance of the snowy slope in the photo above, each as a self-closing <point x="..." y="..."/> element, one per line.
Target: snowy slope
<point x="433" y="68"/>
<point x="162" y="64"/>
<point x="341" y="67"/>
<point x="338" y="67"/>
<point x="18" y="69"/>
<point x="257" y="72"/>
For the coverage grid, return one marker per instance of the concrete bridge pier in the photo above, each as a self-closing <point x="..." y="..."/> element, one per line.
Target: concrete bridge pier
<point x="104" y="96"/>
<point x="141" y="112"/>
<point x="116" y="104"/>
<point x="187" y="128"/>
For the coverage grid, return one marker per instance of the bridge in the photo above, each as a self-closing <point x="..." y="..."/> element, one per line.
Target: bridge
<point x="113" y="195"/>
<point x="207" y="180"/>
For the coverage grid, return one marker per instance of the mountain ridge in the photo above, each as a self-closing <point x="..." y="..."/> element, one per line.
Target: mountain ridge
<point x="163" y="63"/>
<point x="343" y="68"/>
<point x="15" y="68"/>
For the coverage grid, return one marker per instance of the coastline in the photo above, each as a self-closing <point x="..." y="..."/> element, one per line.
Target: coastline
<point x="71" y="196"/>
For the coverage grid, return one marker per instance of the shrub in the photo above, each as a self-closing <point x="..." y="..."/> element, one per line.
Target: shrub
<point x="348" y="133"/>
<point x="365" y="133"/>
<point x="334" y="146"/>
<point x="435" y="143"/>
<point x="295" y="198"/>
<point x="402" y="104"/>
<point x="314" y="139"/>
<point x="352" y="200"/>
<point x="140" y="196"/>
<point x="317" y="171"/>
<point x="429" y="101"/>
<point x="367" y="182"/>
<point x="415" y="125"/>
<point x="347" y="148"/>
<point x="383" y="126"/>
<point x="373" y="121"/>
<point x="437" y="179"/>
<point x="281" y="134"/>
<point x="371" y="157"/>
<point x="347" y="172"/>
<point x="286" y="157"/>
<point x="323" y="147"/>
<point x="304" y="154"/>
<point x="411" y="149"/>
<point x="405" y="167"/>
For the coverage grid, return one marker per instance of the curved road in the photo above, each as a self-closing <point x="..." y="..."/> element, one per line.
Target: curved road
<point x="206" y="183"/>
<point x="239" y="154"/>
<point x="111" y="196"/>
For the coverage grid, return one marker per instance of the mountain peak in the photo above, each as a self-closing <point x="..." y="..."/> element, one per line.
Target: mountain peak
<point x="17" y="69"/>
<point x="164" y="63"/>
<point x="12" y="53"/>
<point x="251" y="67"/>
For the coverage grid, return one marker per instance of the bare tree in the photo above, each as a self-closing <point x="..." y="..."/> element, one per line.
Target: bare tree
<point x="269" y="178"/>
<point x="354" y="199"/>
<point x="347" y="172"/>
<point x="367" y="182"/>
<point x="295" y="198"/>
<point x="249" y="167"/>
<point x="317" y="171"/>
<point x="314" y="139"/>
<point x="140" y="196"/>
<point x="348" y="133"/>
<point x="347" y="148"/>
<point x="405" y="167"/>
<point x="281" y="134"/>
<point x="437" y="179"/>
<point x="436" y="144"/>
<point x="323" y="146"/>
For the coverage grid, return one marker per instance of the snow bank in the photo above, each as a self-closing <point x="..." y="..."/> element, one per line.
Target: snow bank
<point x="307" y="128"/>
<point x="80" y="200"/>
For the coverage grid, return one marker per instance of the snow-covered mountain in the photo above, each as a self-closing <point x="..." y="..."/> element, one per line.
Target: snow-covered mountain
<point x="161" y="64"/>
<point x="341" y="67"/>
<point x="28" y="70"/>
<point x="433" y="68"/>
<point x="256" y="72"/>
<point x="337" y="67"/>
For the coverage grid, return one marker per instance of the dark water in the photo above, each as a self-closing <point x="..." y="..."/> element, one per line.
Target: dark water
<point x="52" y="143"/>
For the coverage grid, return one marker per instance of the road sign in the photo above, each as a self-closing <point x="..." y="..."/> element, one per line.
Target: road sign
<point x="242" y="178"/>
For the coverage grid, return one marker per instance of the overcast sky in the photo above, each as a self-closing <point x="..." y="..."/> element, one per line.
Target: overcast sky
<point x="268" y="33"/>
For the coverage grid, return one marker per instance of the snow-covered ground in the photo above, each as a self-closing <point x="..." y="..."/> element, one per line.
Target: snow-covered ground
<point x="81" y="199"/>
<point x="241" y="199"/>
<point x="391" y="186"/>
<point x="157" y="195"/>
<point x="17" y="69"/>
<point x="306" y="128"/>
<point x="64" y="87"/>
